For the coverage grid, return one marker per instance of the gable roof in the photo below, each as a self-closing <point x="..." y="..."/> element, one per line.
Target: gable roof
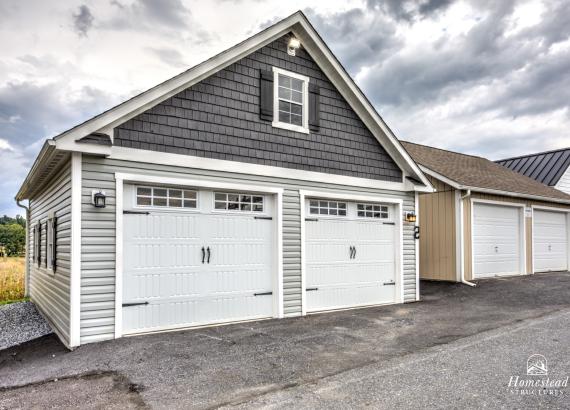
<point x="545" y="167"/>
<point x="480" y="174"/>
<point x="300" y="26"/>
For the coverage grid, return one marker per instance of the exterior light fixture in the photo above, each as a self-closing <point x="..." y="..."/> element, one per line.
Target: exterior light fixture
<point x="293" y="45"/>
<point x="410" y="217"/>
<point x="98" y="199"/>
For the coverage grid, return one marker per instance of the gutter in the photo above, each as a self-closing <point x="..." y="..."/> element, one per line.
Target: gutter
<point x="462" y="239"/>
<point x="27" y="254"/>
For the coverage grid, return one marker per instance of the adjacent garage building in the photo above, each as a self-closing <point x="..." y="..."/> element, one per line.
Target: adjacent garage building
<point x="486" y="220"/>
<point x="258" y="184"/>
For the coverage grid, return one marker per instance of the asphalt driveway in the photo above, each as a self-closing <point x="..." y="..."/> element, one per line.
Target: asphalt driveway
<point x="242" y="364"/>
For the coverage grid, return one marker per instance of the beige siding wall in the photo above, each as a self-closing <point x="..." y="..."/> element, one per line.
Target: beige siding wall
<point x="438" y="233"/>
<point x="50" y="290"/>
<point x="498" y="198"/>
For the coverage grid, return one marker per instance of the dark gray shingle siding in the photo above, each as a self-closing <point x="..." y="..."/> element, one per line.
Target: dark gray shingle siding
<point x="219" y="118"/>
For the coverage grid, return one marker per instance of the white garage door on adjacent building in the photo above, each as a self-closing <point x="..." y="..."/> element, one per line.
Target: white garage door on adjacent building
<point x="196" y="257"/>
<point x="550" y="241"/>
<point x="350" y="252"/>
<point x="497" y="240"/>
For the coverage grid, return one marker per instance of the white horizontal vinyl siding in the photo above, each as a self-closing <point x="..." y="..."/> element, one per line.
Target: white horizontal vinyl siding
<point x="50" y="290"/>
<point x="98" y="236"/>
<point x="564" y="182"/>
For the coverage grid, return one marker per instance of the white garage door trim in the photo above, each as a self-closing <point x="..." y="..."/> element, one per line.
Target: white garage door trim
<point x="551" y="209"/>
<point x="398" y="203"/>
<point x="121" y="178"/>
<point x="522" y="230"/>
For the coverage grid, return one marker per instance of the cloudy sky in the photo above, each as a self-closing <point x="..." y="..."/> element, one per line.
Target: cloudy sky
<point x="484" y="77"/>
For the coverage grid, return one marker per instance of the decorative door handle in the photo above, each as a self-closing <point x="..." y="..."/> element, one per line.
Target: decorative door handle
<point x="208" y="254"/>
<point x="350" y="252"/>
<point x="203" y="254"/>
<point x="354" y="254"/>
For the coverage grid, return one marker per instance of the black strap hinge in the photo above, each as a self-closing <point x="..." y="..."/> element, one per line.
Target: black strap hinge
<point x="136" y="212"/>
<point x="134" y="304"/>
<point x="389" y="283"/>
<point x="311" y="289"/>
<point x="389" y="223"/>
<point x="311" y="219"/>
<point x="263" y="294"/>
<point x="269" y="218"/>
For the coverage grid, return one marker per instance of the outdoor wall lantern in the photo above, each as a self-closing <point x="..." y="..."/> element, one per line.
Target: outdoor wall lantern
<point x="293" y="45"/>
<point x="98" y="199"/>
<point x="410" y="217"/>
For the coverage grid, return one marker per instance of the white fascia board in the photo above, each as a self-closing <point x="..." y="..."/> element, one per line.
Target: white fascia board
<point x="300" y="26"/>
<point x="442" y="178"/>
<point x="162" y="158"/>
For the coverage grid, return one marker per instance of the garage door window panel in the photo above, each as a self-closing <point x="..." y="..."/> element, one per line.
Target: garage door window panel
<point x="238" y="202"/>
<point x="327" y="208"/>
<point x="166" y="197"/>
<point x="376" y="211"/>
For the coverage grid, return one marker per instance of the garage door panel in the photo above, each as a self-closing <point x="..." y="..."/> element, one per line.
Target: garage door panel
<point x="166" y="266"/>
<point x="497" y="240"/>
<point x="550" y="241"/>
<point x="337" y="277"/>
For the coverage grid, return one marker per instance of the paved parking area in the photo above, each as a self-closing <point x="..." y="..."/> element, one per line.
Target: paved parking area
<point x="246" y="363"/>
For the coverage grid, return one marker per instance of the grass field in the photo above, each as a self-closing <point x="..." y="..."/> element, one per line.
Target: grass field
<point x="11" y="279"/>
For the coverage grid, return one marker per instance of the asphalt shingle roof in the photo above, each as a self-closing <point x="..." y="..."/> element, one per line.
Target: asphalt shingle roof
<point x="476" y="172"/>
<point x="546" y="167"/>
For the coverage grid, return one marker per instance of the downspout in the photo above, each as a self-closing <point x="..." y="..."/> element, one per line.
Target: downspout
<point x="462" y="239"/>
<point x="27" y="253"/>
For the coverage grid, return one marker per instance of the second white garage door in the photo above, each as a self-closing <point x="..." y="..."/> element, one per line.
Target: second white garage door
<point x="497" y="240"/>
<point x="196" y="257"/>
<point x="550" y="231"/>
<point x="350" y="251"/>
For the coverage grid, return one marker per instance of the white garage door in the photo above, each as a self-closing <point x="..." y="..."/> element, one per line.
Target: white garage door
<point x="497" y="240"/>
<point x="350" y="251"/>
<point x="550" y="241"/>
<point x="196" y="258"/>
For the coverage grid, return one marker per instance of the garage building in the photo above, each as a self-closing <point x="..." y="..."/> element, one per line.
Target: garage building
<point x="486" y="220"/>
<point x="258" y="184"/>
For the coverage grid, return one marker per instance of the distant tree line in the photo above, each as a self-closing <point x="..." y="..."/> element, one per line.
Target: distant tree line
<point x="12" y="236"/>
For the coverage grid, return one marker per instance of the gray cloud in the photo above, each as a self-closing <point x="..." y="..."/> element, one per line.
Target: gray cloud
<point x="169" y="56"/>
<point x="408" y="10"/>
<point x="83" y="20"/>
<point x="357" y="37"/>
<point x="141" y="14"/>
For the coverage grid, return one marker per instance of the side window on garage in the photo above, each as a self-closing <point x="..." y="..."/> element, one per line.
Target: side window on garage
<point x="224" y="201"/>
<point x="322" y="207"/>
<point x="166" y="197"/>
<point x="377" y="211"/>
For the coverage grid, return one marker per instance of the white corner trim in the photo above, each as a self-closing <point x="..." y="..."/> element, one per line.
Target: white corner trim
<point x="119" y="198"/>
<point x="417" y="244"/>
<point x="161" y="158"/>
<point x="75" y="275"/>
<point x="522" y="229"/>
<point x="304" y="194"/>
<point x="459" y="256"/>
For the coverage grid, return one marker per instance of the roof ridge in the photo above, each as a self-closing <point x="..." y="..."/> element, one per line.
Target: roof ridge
<point x="533" y="155"/>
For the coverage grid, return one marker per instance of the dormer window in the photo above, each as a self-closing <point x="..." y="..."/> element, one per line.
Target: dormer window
<point x="290" y="101"/>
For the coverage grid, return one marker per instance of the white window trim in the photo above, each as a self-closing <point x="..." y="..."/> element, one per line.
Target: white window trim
<point x="276" y="123"/>
<point x="49" y="241"/>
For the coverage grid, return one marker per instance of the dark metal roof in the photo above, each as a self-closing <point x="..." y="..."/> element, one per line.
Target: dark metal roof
<point x="545" y="167"/>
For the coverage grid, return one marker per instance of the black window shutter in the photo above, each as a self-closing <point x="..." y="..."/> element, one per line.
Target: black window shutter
<point x="314" y="107"/>
<point x="266" y="95"/>
<point x="46" y="256"/>
<point x="54" y="242"/>
<point x="39" y="244"/>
